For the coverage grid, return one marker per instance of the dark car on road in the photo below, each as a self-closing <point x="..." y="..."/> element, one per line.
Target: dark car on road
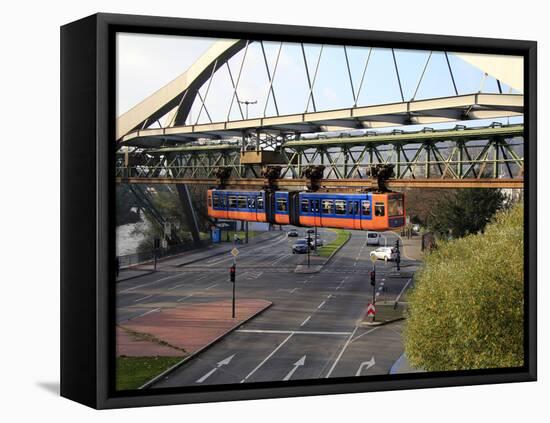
<point x="300" y="247"/>
<point x="293" y="233"/>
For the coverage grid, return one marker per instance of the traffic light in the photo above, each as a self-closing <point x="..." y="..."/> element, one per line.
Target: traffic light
<point x="397" y="244"/>
<point x="373" y="277"/>
<point x="232" y="273"/>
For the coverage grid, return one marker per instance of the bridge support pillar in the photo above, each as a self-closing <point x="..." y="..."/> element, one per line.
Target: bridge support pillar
<point x="192" y="223"/>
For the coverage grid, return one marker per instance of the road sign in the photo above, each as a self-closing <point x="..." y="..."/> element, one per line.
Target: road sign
<point x="371" y="310"/>
<point x="373" y="258"/>
<point x="234" y="252"/>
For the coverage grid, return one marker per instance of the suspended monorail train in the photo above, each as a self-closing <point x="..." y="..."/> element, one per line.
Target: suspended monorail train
<point x="363" y="211"/>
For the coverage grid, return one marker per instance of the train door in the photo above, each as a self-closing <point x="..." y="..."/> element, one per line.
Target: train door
<point x="365" y="209"/>
<point x="315" y="210"/>
<point x="353" y="213"/>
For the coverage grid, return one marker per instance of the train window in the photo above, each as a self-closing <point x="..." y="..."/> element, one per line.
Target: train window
<point x="232" y="202"/>
<point x="216" y="198"/>
<point x="305" y="206"/>
<point x="281" y="204"/>
<point x="379" y="209"/>
<point x="365" y="207"/>
<point x="260" y="202"/>
<point x="340" y="206"/>
<point x="241" y="202"/>
<point x="327" y="206"/>
<point x="251" y="203"/>
<point x="395" y="205"/>
<point x="353" y="207"/>
<point x="223" y="201"/>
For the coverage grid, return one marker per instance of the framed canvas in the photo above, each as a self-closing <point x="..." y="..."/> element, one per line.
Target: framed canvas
<point x="258" y="211"/>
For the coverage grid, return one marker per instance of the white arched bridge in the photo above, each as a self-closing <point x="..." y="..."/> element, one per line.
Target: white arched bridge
<point x="442" y="119"/>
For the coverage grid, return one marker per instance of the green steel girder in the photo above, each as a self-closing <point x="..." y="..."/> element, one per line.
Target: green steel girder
<point x="490" y="152"/>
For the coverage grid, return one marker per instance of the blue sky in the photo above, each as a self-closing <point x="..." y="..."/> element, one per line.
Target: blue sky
<point x="147" y="62"/>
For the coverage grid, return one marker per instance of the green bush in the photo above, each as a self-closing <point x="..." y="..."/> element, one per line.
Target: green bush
<point x="466" y="310"/>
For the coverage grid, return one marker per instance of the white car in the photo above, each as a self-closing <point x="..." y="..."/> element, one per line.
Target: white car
<point x="384" y="253"/>
<point x="373" y="238"/>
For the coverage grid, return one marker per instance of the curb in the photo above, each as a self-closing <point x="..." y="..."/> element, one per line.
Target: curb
<point x="338" y="249"/>
<point x="160" y="376"/>
<point x="385" y="322"/>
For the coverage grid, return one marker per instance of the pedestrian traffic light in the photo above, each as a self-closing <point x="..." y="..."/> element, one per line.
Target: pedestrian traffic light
<point x="232" y="273"/>
<point x="397" y="244"/>
<point x="373" y="277"/>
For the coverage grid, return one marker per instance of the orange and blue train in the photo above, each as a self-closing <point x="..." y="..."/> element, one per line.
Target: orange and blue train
<point x="363" y="211"/>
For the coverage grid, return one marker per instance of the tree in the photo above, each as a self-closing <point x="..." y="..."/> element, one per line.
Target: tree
<point x="465" y="211"/>
<point x="466" y="309"/>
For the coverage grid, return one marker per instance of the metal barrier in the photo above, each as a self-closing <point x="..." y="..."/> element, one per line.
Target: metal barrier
<point x="130" y="260"/>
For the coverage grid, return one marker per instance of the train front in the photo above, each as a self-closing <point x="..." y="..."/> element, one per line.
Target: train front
<point x="396" y="210"/>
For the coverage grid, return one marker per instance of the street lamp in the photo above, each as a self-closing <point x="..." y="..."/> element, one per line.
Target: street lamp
<point x="246" y="103"/>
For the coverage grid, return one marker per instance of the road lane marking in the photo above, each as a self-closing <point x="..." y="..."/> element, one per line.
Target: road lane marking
<point x="184" y="298"/>
<point x="211" y="286"/>
<point x="175" y="287"/>
<point x="403" y="290"/>
<point x="305" y="321"/>
<point x="268" y="357"/>
<point x="279" y="259"/>
<point x="299" y="363"/>
<point x="364" y="333"/>
<point x="223" y="362"/>
<point x="148" y="283"/>
<point x="341" y="352"/>
<point x="295" y="332"/>
<point x="369" y="364"/>
<point x="147" y="312"/>
<point x="143" y="298"/>
<point x="321" y="305"/>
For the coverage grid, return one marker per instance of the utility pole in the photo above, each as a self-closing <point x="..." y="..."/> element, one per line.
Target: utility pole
<point x="373" y="283"/>
<point x="398" y="255"/>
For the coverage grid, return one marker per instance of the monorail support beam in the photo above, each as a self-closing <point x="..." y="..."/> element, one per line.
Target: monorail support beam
<point x="189" y="211"/>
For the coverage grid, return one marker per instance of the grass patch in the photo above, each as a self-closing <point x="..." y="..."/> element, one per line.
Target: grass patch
<point x="133" y="372"/>
<point x="342" y="237"/>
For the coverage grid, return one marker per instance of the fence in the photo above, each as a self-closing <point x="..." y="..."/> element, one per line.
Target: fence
<point x="148" y="256"/>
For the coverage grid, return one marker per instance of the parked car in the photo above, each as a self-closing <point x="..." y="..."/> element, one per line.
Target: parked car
<point x="416" y="228"/>
<point x="373" y="238"/>
<point x="292" y="233"/>
<point x="384" y="253"/>
<point x="300" y="247"/>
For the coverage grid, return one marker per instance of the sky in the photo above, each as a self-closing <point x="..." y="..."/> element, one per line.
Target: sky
<point x="147" y="62"/>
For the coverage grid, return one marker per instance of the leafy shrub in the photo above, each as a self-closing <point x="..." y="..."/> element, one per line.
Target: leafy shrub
<point x="466" y="310"/>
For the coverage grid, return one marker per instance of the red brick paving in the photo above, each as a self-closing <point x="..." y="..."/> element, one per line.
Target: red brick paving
<point x="190" y="327"/>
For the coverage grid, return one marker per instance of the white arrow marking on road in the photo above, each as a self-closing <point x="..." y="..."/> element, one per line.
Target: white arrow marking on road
<point x="299" y="363"/>
<point x="224" y="362"/>
<point x="369" y="364"/>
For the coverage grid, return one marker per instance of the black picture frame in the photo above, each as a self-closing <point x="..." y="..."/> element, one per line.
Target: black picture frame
<point x="87" y="199"/>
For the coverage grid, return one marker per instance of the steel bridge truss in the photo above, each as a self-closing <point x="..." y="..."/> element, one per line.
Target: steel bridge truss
<point x="472" y="155"/>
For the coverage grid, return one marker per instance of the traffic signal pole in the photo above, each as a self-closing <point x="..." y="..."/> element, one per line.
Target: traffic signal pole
<point x="373" y="283"/>
<point x="232" y="271"/>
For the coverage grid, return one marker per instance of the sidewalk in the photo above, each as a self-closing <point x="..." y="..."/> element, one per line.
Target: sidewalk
<point x="412" y="248"/>
<point x="185" y="330"/>
<point x="402" y="366"/>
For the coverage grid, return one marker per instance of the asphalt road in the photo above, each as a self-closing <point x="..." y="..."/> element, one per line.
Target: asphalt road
<point x="312" y="329"/>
